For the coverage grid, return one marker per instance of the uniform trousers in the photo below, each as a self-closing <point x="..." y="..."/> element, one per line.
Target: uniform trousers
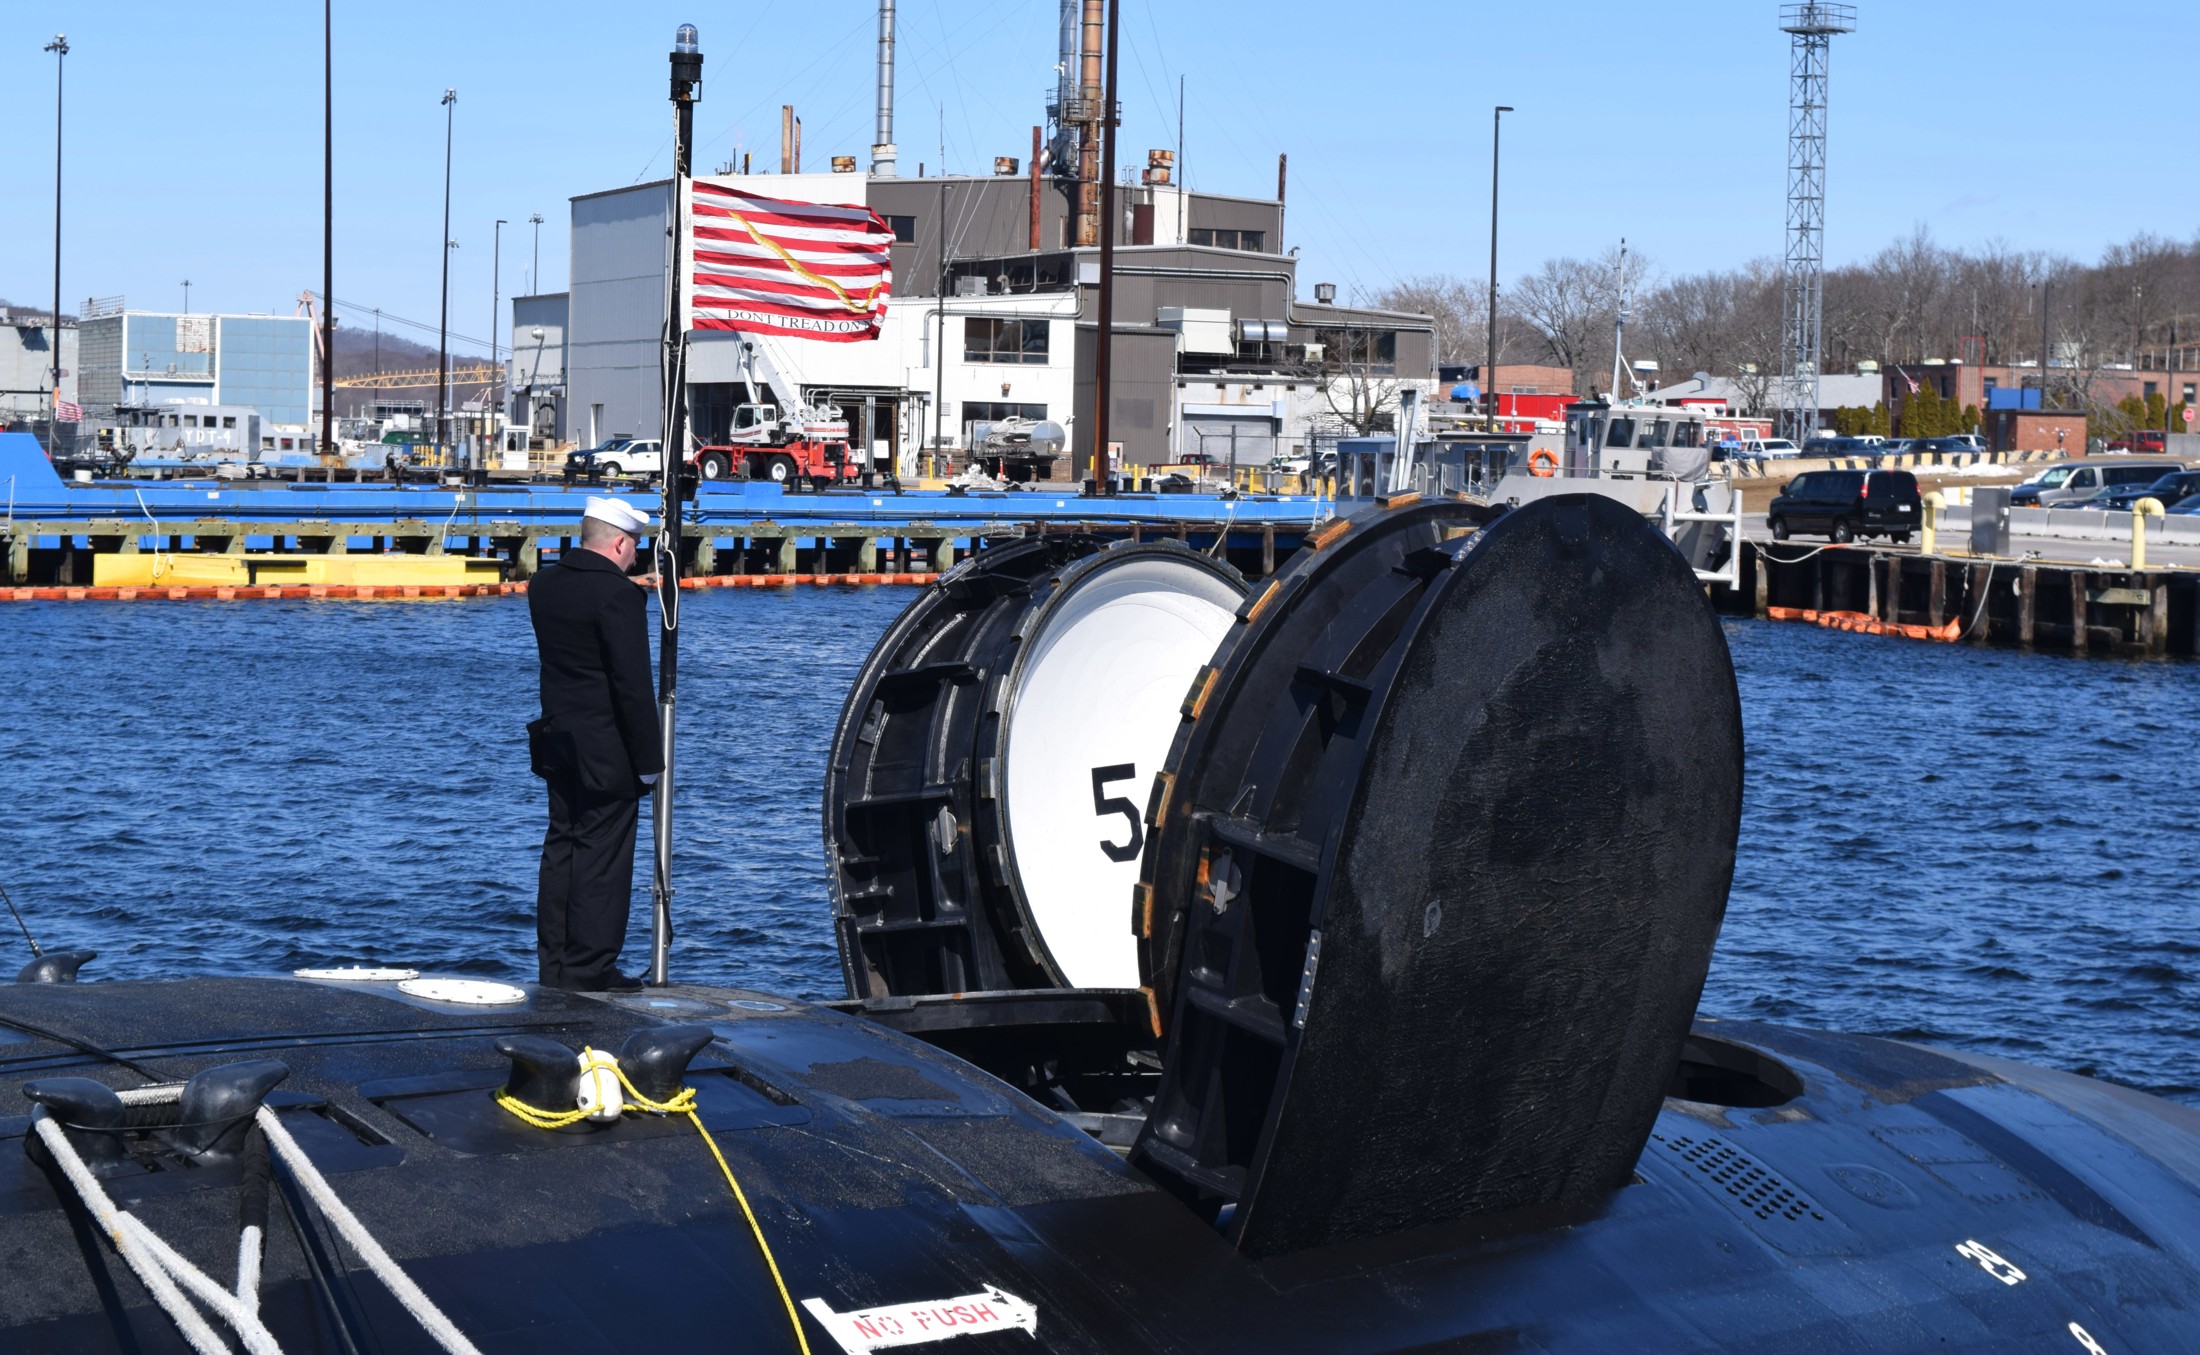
<point x="585" y="887"/>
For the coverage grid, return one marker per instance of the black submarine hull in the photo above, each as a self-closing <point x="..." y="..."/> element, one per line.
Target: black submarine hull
<point x="1800" y="1192"/>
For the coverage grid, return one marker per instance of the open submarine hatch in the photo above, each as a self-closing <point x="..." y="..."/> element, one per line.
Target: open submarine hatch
<point x="1390" y="1044"/>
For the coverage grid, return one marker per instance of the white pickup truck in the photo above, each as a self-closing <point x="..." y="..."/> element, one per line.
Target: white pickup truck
<point x="643" y="456"/>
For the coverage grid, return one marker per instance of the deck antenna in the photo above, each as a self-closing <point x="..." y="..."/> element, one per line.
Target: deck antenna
<point x="1619" y="322"/>
<point x="36" y="953"/>
<point x="687" y="80"/>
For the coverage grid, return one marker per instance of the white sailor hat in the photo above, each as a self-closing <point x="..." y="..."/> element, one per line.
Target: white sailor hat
<point x="619" y="514"/>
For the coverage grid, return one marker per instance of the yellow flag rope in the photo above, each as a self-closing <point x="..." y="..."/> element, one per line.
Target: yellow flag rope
<point x="681" y="1103"/>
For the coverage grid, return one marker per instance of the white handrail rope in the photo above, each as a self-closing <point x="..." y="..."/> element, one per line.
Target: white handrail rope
<point x="249" y="1247"/>
<point x="129" y="1242"/>
<point x="225" y="1305"/>
<point x="379" y="1261"/>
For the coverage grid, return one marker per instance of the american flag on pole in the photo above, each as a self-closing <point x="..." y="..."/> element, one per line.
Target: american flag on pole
<point x="68" y="411"/>
<point x="805" y="270"/>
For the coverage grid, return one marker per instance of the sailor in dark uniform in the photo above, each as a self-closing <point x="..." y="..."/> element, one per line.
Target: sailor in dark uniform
<point x="597" y="746"/>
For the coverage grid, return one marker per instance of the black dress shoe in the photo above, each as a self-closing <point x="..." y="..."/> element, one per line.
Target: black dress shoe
<point x="617" y="983"/>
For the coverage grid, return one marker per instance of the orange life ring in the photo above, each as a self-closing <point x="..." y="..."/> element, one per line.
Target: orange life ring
<point x="1543" y="463"/>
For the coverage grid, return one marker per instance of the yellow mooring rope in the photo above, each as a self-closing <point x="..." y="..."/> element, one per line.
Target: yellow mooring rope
<point x="682" y="1103"/>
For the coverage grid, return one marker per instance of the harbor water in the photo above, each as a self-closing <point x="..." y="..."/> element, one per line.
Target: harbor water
<point x="1981" y="849"/>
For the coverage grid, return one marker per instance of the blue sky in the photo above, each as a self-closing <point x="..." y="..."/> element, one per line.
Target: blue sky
<point x="194" y="132"/>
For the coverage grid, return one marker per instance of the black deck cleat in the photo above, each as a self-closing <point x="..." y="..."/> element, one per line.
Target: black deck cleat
<point x="656" y="1059"/>
<point x="58" y="967"/>
<point x="91" y="1116"/>
<point x="218" y="1108"/>
<point x="545" y="1074"/>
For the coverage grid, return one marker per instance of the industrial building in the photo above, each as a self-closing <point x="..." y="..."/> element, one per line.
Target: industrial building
<point x="26" y="366"/>
<point x="993" y="313"/>
<point x="141" y="360"/>
<point x="1213" y="347"/>
<point x="534" y="377"/>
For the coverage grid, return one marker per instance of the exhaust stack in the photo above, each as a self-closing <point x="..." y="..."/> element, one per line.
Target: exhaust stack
<point x="1088" y="114"/>
<point x="882" y="149"/>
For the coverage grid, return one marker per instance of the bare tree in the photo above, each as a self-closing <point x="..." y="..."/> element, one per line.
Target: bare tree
<point x="1570" y="305"/>
<point x="1459" y="306"/>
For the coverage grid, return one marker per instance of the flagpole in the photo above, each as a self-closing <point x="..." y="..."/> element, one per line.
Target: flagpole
<point x="687" y="79"/>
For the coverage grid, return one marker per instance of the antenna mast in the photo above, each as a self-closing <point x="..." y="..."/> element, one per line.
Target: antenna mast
<point x="1813" y="25"/>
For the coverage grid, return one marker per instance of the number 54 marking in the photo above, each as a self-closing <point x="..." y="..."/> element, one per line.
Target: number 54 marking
<point x="1104" y="804"/>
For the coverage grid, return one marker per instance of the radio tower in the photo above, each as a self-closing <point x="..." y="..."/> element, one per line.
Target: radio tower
<point x="1812" y="24"/>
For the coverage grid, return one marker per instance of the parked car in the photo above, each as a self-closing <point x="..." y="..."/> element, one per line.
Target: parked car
<point x="2084" y="479"/>
<point x="1840" y="446"/>
<point x="582" y="460"/>
<point x="1847" y="504"/>
<point x="1767" y="449"/>
<point x="2143" y="440"/>
<point x="1945" y="446"/>
<point x="2170" y="491"/>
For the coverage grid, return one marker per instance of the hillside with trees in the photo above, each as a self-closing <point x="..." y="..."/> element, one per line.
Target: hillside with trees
<point x="1914" y="301"/>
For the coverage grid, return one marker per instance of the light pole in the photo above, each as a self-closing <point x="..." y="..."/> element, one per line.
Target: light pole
<point x="496" y="302"/>
<point x="687" y="84"/>
<point x="328" y="227"/>
<point x="443" y="323"/>
<point x="1102" y="353"/>
<point x="187" y="296"/>
<point x="1489" y="366"/>
<point x="60" y="49"/>
<point x="534" y="273"/>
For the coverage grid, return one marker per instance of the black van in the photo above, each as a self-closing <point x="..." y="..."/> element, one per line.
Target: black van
<point x="1846" y="504"/>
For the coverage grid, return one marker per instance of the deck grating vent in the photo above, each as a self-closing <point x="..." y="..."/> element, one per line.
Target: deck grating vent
<point x="1752" y="1186"/>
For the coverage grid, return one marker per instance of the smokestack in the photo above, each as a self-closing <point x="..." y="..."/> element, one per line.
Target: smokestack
<point x="786" y="138"/>
<point x="882" y="149"/>
<point x="1090" y="98"/>
<point x="1065" y="90"/>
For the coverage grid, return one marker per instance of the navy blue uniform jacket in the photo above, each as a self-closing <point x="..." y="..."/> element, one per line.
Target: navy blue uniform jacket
<point x="599" y="711"/>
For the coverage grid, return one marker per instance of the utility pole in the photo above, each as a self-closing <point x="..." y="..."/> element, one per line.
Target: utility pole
<point x="496" y="307"/>
<point x="534" y="273"/>
<point x="1101" y="354"/>
<point x="939" y="350"/>
<point x="187" y="296"/>
<point x="60" y="49"/>
<point x="443" y="324"/>
<point x="328" y="225"/>
<point x="2047" y="297"/>
<point x="687" y="83"/>
<point x="1489" y="368"/>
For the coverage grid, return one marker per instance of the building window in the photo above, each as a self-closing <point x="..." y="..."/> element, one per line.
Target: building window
<point x="904" y="228"/>
<point x="1005" y="341"/>
<point x="1372" y="351"/>
<point x="1251" y="241"/>
<point x="981" y="411"/>
<point x="2188" y="392"/>
<point x="229" y="421"/>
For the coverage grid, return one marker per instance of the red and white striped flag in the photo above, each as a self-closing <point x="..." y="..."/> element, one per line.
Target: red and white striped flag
<point x="805" y="270"/>
<point x="68" y="411"/>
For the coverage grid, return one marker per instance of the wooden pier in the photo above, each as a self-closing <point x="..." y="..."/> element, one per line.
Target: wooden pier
<point x="854" y="552"/>
<point x="2070" y="608"/>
